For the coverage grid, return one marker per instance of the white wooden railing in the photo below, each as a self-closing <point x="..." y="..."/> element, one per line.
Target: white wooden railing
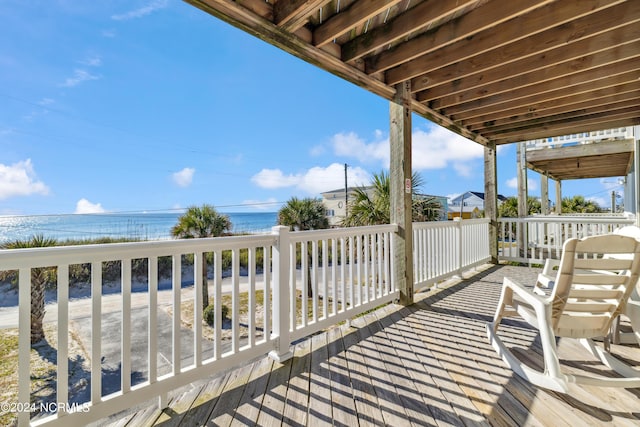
<point x="579" y="138"/>
<point x="536" y="238"/>
<point x="338" y="274"/>
<point x="349" y="271"/>
<point x="443" y="249"/>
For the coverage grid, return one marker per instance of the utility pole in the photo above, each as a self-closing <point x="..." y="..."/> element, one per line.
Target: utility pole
<point x="346" y="192"/>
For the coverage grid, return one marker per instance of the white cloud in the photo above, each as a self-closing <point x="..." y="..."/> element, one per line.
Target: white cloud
<point x="19" y="179"/>
<point x="79" y="76"/>
<point x="601" y="201"/>
<point x="532" y="184"/>
<point x="184" y="177"/>
<point x="463" y="169"/>
<point x="273" y="178"/>
<point x="351" y="145"/>
<point x="434" y="148"/>
<point x="317" y="150"/>
<point x="92" y="61"/>
<point x="437" y="148"/>
<point x="86" y="207"/>
<point x="108" y="33"/>
<point x="45" y="101"/>
<point x="313" y="181"/>
<point x="142" y="11"/>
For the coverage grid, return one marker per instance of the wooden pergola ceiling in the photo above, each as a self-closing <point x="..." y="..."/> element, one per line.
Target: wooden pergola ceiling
<point x="490" y="70"/>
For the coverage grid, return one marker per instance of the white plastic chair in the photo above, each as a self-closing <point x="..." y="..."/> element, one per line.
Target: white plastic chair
<point x="595" y="277"/>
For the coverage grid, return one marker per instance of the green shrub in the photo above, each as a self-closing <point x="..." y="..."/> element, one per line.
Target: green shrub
<point x="209" y="313"/>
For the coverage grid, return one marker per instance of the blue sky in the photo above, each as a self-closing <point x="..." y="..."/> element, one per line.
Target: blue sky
<point x="112" y="106"/>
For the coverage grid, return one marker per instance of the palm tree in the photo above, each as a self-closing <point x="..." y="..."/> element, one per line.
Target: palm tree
<point x="509" y="208"/>
<point x="373" y="206"/>
<point x="39" y="278"/>
<point x="425" y="208"/>
<point x="578" y="204"/>
<point x="198" y="222"/>
<point x="304" y="214"/>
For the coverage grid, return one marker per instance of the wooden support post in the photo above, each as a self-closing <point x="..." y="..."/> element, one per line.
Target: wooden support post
<point x="636" y="176"/>
<point x="544" y="194"/>
<point x="523" y="195"/>
<point x="558" y="197"/>
<point x="400" y="181"/>
<point x="491" y="198"/>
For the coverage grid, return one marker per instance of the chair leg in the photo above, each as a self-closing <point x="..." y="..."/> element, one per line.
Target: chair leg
<point x="541" y="379"/>
<point x="505" y="295"/>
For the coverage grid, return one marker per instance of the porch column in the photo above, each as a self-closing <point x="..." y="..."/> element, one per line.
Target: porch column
<point x="636" y="175"/>
<point x="558" y="197"/>
<point x="491" y="198"/>
<point x="523" y="211"/>
<point x="400" y="181"/>
<point x="544" y="194"/>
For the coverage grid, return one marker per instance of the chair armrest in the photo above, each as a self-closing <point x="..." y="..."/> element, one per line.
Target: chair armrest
<point x="535" y="300"/>
<point x="545" y="281"/>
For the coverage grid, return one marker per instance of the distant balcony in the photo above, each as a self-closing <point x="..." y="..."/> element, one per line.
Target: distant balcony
<point x="600" y="154"/>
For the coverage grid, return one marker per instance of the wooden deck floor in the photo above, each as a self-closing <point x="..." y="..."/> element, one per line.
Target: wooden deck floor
<point x="425" y="365"/>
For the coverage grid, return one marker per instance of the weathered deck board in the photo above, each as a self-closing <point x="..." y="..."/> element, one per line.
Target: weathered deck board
<point x="344" y="409"/>
<point x="429" y="364"/>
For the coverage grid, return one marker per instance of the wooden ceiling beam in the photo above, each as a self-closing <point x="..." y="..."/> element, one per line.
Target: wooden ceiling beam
<point x="482" y="70"/>
<point x="556" y="105"/>
<point x="415" y="19"/>
<point x="629" y="118"/>
<point x="290" y="15"/>
<point x="587" y="67"/>
<point x="515" y="120"/>
<point x="584" y="81"/>
<point x="340" y="23"/>
<point x="481" y="18"/>
<point x="519" y="29"/>
<point x="611" y="109"/>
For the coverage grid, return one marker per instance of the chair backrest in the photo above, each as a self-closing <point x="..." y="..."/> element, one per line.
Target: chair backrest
<point x="593" y="283"/>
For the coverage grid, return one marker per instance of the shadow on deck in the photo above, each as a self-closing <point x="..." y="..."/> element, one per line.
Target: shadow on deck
<point x="427" y="364"/>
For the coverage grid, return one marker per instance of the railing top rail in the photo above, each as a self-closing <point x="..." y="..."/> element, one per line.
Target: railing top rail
<point x="569" y="219"/>
<point x="77" y="254"/>
<point x="443" y="224"/>
<point x="302" y="236"/>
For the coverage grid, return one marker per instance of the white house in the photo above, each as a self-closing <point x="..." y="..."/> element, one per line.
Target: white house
<point x="335" y="204"/>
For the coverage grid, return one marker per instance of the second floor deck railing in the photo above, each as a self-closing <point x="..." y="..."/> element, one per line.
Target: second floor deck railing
<point x="579" y="138"/>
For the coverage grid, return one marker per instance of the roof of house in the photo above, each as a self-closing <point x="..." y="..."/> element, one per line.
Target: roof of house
<point x="480" y="195"/>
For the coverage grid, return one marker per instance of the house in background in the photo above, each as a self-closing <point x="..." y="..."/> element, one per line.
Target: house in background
<point x="335" y="203"/>
<point x="469" y="205"/>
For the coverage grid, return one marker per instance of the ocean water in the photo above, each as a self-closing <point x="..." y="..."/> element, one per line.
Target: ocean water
<point x="142" y="226"/>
